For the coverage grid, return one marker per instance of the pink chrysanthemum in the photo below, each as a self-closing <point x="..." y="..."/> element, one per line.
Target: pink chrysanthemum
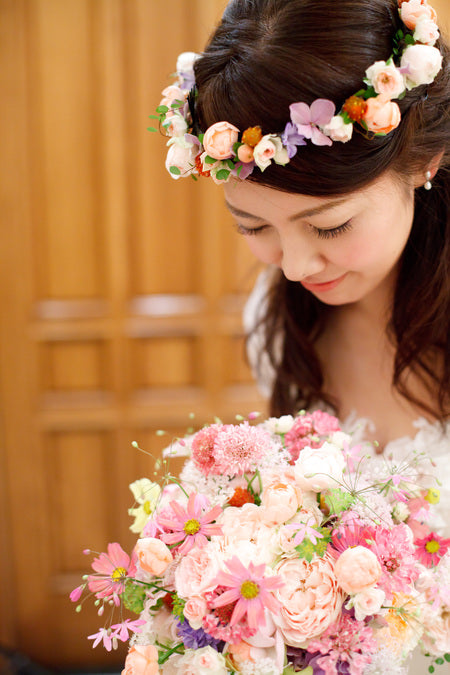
<point x="190" y="526"/>
<point x="239" y="448"/>
<point x="431" y="549"/>
<point x="113" y="569"/>
<point x="396" y="555"/>
<point x="203" y="448"/>
<point x="346" y="641"/>
<point x="307" y="430"/>
<point x="250" y="590"/>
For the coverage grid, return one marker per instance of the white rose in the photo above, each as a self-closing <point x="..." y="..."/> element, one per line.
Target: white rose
<point x="181" y="154"/>
<point x="386" y="79"/>
<point x="367" y="603"/>
<point x="319" y="468"/>
<point x="426" y="31"/>
<point x="270" y="147"/>
<point x="422" y="64"/>
<point x="338" y="130"/>
<point x="175" y="125"/>
<point x="204" y="661"/>
<point x="280" y="425"/>
<point x="185" y="62"/>
<point x="340" y="438"/>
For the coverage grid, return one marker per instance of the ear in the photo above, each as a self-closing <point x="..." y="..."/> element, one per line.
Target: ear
<point x="432" y="168"/>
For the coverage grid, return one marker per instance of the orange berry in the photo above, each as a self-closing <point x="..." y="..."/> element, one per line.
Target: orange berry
<point x="252" y="136"/>
<point x="355" y="107"/>
<point x="199" y="166"/>
<point x="241" y="497"/>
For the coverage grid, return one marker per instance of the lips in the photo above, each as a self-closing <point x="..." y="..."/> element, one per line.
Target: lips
<point x="323" y="286"/>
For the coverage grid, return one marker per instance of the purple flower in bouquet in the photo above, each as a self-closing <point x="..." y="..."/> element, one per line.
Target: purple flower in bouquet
<point x="190" y="526"/>
<point x="196" y="638"/>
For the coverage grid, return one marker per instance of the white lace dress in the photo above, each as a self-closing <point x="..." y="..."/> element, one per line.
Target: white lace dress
<point x="431" y="438"/>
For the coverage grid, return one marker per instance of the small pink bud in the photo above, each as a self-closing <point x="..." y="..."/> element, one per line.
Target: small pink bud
<point x="76" y="593"/>
<point x="245" y="153"/>
<point x="87" y="551"/>
<point x="253" y="415"/>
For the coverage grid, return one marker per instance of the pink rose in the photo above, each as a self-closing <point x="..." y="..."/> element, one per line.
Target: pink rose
<point x="171" y="94"/>
<point x="367" y="603"/>
<point x="196" y="572"/>
<point x="219" y="139"/>
<point x="426" y="31"/>
<point x="382" y="115"/>
<point x="281" y="499"/>
<point x="203" y="661"/>
<point x="421" y="63"/>
<point x="194" y="611"/>
<point x="153" y="555"/>
<point x="141" y="660"/>
<point x="310" y="598"/>
<point x="412" y="11"/>
<point x="181" y="154"/>
<point x="386" y="79"/>
<point x="357" y="569"/>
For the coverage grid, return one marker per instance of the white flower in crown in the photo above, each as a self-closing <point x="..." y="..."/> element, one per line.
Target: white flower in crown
<point x="185" y="69"/>
<point x="338" y="130"/>
<point x="421" y="64"/>
<point x="269" y="148"/>
<point x="386" y="79"/>
<point x="175" y="124"/>
<point x="180" y="160"/>
<point x="426" y="31"/>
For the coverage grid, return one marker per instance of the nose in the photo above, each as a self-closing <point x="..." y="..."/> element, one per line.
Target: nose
<point x="299" y="259"/>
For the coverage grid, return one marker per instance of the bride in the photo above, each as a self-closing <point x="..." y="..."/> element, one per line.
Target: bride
<point x="339" y="183"/>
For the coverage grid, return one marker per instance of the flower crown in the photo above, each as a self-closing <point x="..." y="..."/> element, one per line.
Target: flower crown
<point x="223" y="151"/>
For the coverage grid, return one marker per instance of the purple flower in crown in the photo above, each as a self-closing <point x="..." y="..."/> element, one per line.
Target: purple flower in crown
<point x="292" y="139"/>
<point x="309" y="119"/>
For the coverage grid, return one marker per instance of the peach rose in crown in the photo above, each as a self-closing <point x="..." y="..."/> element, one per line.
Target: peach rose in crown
<point x="421" y="63"/>
<point x="219" y="139"/>
<point x="357" y="569"/>
<point x="413" y="10"/>
<point x="171" y="94"/>
<point x="382" y="115"/>
<point x="426" y="31"/>
<point x="141" y="660"/>
<point x="153" y="555"/>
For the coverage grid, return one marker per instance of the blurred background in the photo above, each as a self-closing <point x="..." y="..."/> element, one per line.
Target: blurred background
<point x="121" y="299"/>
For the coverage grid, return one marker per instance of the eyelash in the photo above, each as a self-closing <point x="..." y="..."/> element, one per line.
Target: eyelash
<point x="322" y="234"/>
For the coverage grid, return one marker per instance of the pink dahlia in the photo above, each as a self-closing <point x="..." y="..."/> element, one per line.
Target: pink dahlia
<point x="250" y="590"/>
<point x="346" y="641"/>
<point x="203" y="448"/>
<point x="396" y="555"/>
<point x="113" y="569"/>
<point x="190" y="526"/>
<point x="431" y="549"/>
<point x="239" y="448"/>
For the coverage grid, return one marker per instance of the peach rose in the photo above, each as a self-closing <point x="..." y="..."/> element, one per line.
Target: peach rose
<point x="241" y="523"/>
<point x="153" y="555"/>
<point x="382" y="115"/>
<point x="281" y="499"/>
<point x="310" y="598"/>
<point x="203" y="661"/>
<point x="196" y="572"/>
<point x="412" y="11"/>
<point x="219" y="139"/>
<point x="141" y="660"/>
<point x="357" y="569"/>
<point x="181" y="154"/>
<point x="194" y="611"/>
<point x="386" y="79"/>
<point x="171" y="94"/>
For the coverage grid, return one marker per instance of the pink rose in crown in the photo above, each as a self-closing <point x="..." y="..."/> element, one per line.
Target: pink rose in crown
<point x="413" y="10"/>
<point x="219" y="139"/>
<point x="386" y="79"/>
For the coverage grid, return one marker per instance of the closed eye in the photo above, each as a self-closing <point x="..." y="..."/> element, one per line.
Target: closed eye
<point x="334" y="231"/>
<point x="250" y="230"/>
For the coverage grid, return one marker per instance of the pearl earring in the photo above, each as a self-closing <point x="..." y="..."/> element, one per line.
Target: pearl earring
<point x="428" y="184"/>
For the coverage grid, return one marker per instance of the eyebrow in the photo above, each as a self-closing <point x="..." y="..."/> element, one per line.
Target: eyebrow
<point x="296" y="216"/>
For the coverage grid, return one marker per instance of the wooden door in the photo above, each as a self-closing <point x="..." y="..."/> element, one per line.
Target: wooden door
<point x="121" y="296"/>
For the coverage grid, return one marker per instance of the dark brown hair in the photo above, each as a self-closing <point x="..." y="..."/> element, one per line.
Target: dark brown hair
<point x="267" y="54"/>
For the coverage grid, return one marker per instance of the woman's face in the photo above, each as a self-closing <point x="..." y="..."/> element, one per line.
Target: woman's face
<point x="341" y="249"/>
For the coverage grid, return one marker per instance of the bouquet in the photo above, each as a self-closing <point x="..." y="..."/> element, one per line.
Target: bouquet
<point x="282" y="547"/>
